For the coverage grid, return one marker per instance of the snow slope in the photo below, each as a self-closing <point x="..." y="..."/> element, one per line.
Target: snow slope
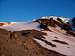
<point x="66" y="49"/>
<point x="21" y="26"/>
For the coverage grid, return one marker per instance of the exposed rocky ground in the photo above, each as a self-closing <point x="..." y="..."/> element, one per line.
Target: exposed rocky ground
<point x="21" y="43"/>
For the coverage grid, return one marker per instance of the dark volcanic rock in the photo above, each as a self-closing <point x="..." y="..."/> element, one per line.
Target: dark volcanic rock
<point x="61" y="42"/>
<point x="73" y="21"/>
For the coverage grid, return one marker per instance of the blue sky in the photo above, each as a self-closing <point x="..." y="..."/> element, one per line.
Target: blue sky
<point x="16" y="10"/>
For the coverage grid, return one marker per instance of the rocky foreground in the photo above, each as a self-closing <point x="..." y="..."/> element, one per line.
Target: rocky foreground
<point x="21" y="43"/>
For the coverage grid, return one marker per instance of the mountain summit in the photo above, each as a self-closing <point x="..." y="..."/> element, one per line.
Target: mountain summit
<point x="46" y="36"/>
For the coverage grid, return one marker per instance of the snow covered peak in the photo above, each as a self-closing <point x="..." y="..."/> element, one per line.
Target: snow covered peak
<point x="55" y="18"/>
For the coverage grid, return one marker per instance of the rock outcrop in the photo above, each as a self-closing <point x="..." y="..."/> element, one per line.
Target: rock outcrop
<point x="7" y="23"/>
